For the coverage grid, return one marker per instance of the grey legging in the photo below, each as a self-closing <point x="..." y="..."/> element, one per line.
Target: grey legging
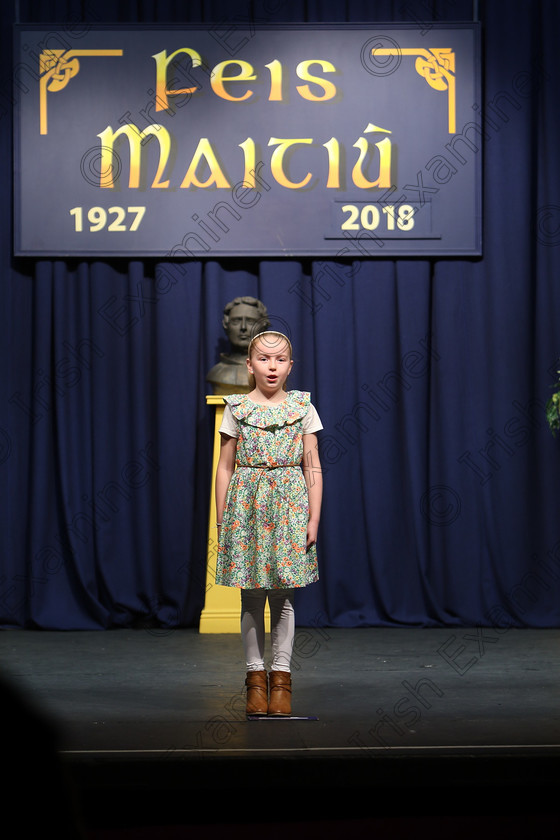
<point x="282" y="627"/>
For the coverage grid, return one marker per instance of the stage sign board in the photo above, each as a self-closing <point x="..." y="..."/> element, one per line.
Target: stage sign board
<point x="279" y="141"/>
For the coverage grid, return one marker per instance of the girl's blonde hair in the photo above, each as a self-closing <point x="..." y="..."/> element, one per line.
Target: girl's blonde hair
<point x="267" y="343"/>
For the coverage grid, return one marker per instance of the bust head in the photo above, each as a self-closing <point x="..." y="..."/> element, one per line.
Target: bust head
<point x="243" y="318"/>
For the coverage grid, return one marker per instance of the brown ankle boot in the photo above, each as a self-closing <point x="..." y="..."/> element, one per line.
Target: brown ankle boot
<point x="257" y="693"/>
<point x="280" y="702"/>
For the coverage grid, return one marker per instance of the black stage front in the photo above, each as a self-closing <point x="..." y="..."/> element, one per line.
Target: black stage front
<point x="445" y="731"/>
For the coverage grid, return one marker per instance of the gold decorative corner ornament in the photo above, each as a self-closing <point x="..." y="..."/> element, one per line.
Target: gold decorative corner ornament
<point x="56" y="68"/>
<point x="437" y="67"/>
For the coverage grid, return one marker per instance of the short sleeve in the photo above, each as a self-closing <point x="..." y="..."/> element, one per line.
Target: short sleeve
<point x="229" y="424"/>
<point x="311" y="422"/>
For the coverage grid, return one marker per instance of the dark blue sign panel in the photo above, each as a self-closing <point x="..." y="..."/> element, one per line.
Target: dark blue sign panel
<point x="326" y="141"/>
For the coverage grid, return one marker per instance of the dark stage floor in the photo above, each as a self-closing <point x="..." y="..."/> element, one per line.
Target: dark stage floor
<point x="452" y="731"/>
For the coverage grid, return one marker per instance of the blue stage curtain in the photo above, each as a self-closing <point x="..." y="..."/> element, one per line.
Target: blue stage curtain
<point x="442" y="500"/>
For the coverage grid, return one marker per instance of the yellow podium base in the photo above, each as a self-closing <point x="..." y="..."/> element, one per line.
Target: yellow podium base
<point x="214" y="620"/>
<point x="222" y="606"/>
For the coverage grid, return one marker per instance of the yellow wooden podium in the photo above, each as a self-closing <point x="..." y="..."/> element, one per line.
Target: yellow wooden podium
<point x="222" y="606"/>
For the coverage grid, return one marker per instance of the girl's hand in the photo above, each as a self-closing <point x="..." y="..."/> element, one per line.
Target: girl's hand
<point x="224" y="472"/>
<point x="312" y="528"/>
<point x="313" y="476"/>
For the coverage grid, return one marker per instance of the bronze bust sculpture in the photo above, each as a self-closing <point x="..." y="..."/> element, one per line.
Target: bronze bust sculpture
<point x="243" y="318"/>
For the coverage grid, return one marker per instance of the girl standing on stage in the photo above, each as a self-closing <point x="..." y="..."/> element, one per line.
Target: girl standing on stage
<point x="268" y="503"/>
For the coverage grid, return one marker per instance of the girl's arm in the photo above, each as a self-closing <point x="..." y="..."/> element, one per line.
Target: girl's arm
<point x="224" y="472"/>
<point x="313" y="475"/>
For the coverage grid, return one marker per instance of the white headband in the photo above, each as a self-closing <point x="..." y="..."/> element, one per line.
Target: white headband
<point x="269" y="332"/>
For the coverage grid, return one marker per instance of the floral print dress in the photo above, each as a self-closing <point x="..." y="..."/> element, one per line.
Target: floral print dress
<point x="264" y="527"/>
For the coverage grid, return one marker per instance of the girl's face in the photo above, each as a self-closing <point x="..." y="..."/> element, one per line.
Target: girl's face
<point x="270" y="363"/>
